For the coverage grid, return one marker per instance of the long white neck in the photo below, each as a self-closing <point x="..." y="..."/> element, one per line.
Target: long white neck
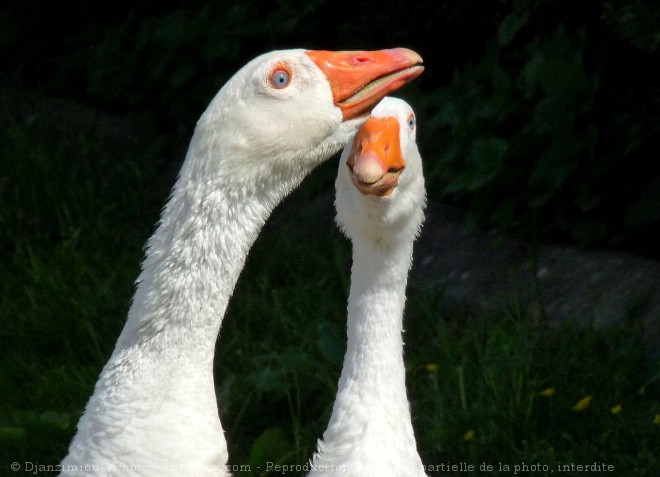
<point x="370" y="431"/>
<point x="154" y="409"/>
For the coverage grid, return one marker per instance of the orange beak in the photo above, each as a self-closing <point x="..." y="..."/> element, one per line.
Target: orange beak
<point x="376" y="161"/>
<point x="360" y="79"/>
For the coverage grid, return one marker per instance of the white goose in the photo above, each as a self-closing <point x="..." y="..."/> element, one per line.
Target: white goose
<point x="380" y="207"/>
<point x="154" y="410"/>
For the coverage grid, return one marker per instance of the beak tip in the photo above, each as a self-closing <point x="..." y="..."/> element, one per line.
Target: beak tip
<point x="408" y="54"/>
<point x="368" y="168"/>
<point x="359" y="79"/>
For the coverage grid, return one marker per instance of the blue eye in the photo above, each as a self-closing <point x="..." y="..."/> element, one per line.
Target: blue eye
<point x="411" y="121"/>
<point x="280" y="78"/>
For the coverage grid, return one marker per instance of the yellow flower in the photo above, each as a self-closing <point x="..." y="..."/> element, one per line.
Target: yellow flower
<point x="432" y="367"/>
<point x="616" y="409"/>
<point x="468" y="436"/>
<point x="656" y="419"/>
<point x="582" y="404"/>
<point x="547" y="392"/>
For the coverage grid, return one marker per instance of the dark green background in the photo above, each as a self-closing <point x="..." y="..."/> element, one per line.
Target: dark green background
<point x="537" y="116"/>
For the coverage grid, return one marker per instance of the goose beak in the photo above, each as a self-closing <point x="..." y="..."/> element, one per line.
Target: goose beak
<point x="376" y="161"/>
<point x="360" y="79"/>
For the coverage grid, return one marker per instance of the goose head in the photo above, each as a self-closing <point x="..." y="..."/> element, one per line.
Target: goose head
<point x="287" y="111"/>
<point x="380" y="184"/>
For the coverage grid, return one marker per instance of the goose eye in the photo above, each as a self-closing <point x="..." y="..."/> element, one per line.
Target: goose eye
<point x="280" y="78"/>
<point x="411" y="121"/>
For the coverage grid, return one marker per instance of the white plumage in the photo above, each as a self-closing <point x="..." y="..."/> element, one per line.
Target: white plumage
<point x="380" y="202"/>
<point x="154" y="410"/>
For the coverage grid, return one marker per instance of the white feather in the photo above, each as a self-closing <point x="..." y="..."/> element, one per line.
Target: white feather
<point x="154" y="410"/>
<point x="370" y="432"/>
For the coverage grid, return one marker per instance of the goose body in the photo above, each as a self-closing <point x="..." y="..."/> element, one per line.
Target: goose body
<point x="380" y="202"/>
<point x="154" y="409"/>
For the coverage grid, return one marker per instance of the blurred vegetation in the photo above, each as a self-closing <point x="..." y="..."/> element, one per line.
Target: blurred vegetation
<point x="540" y="117"/>
<point x="553" y="130"/>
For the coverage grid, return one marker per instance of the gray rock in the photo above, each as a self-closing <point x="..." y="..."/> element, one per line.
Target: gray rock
<point x="480" y="272"/>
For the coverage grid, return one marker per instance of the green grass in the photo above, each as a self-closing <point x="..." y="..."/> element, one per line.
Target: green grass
<point x="74" y="218"/>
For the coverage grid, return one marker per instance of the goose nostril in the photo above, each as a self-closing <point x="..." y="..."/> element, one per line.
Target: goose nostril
<point x="360" y="59"/>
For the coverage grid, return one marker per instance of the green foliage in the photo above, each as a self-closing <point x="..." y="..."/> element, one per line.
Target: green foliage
<point x="185" y="53"/>
<point x="67" y="269"/>
<point x="281" y="352"/>
<point x="503" y="390"/>
<point x="549" y="127"/>
<point x="637" y="21"/>
<point x="535" y="136"/>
